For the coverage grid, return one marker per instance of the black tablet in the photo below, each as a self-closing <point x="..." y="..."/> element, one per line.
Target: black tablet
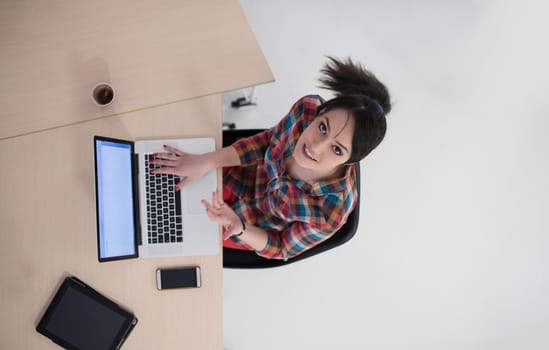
<point x="81" y="318"/>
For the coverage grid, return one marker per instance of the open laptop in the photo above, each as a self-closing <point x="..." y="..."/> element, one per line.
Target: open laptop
<point x="140" y="214"/>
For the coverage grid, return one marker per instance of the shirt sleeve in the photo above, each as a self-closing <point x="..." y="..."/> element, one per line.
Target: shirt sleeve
<point x="301" y="236"/>
<point x="298" y="238"/>
<point x="252" y="149"/>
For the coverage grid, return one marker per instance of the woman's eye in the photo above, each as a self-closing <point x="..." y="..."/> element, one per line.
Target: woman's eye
<point x="337" y="150"/>
<point x="322" y="128"/>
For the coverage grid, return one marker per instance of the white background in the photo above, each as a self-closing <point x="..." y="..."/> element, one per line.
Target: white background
<point x="453" y="243"/>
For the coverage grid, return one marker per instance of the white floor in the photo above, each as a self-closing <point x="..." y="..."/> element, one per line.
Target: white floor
<point x="453" y="244"/>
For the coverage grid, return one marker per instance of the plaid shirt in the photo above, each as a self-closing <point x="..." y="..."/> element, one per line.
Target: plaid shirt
<point x="296" y="215"/>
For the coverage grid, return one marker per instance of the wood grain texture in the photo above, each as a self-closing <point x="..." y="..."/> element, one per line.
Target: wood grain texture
<point x="52" y="53"/>
<point x="47" y="215"/>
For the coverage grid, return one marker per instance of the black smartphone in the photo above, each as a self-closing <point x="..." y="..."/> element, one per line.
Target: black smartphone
<point x="181" y="277"/>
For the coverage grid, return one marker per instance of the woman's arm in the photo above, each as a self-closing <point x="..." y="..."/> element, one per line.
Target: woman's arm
<point x="255" y="237"/>
<point x="224" y="215"/>
<point x="245" y="151"/>
<point x="252" y="149"/>
<point x="297" y="238"/>
<point x="193" y="166"/>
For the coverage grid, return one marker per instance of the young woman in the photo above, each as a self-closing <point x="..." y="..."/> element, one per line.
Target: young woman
<point x="289" y="188"/>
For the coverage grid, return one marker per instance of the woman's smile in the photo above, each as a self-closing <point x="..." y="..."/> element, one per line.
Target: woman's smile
<point x="308" y="153"/>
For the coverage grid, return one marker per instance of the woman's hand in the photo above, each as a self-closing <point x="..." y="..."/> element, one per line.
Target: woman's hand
<point x="224" y="215"/>
<point x="186" y="165"/>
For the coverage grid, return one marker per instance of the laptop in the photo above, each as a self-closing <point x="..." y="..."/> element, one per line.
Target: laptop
<point x="140" y="214"/>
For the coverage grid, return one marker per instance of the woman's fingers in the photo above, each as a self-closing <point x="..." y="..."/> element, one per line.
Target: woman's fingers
<point x="222" y="214"/>
<point x="217" y="199"/>
<point x="220" y="198"/>
<point x="189" y="167"/>
<point x="165" y="170"/>
<point x="161" y="162"/>
<point x="164" y="155"/>
<point x="207" y="205"/>
<point x="166" y="163"/>
<point x="174" y="150"/>
<point x="212" y="209"/>
<point x="215" y="214"/>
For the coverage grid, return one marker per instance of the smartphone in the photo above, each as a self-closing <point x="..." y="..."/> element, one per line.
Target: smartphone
<point x="181" y="277"/>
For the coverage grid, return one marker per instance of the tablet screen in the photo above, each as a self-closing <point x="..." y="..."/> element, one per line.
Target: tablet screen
<point x="80" y="318"/>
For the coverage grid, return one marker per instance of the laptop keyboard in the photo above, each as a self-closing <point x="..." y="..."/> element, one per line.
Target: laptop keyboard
<point x="164" y="218"/>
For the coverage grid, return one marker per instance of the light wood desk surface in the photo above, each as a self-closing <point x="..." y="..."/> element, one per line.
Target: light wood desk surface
<point x="47" y="216"/>
<point x="52" y="53"/>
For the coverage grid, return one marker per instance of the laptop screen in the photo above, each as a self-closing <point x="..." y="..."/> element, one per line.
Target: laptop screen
<point x="114" y="195"/>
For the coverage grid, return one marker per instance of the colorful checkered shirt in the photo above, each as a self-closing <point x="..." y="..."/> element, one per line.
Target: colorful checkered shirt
<point x="296" y="215"/>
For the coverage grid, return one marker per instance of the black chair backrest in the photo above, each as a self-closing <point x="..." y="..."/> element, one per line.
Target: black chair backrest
<point x="242" y="259"/>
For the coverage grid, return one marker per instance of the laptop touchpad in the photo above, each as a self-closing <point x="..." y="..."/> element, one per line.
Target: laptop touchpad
<point x="199" y="190"/>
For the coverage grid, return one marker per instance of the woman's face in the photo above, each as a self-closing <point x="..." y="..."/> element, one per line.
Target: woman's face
<point x="326" y="143"/>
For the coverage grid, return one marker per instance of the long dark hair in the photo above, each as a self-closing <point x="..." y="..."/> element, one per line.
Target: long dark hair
<point x="358" y="91"/>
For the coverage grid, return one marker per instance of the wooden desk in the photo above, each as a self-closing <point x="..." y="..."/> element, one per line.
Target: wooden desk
<point x="47" y="216"/>
<point x="52" y="53"/>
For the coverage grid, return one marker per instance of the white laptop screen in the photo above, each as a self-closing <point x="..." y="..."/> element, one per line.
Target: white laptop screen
<point x="115" y="205"/>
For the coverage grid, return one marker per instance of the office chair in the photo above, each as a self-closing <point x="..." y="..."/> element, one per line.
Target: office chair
<point x="243" y="259"/>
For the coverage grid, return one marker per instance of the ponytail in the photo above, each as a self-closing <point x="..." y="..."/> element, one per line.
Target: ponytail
<point x="349" y="78"/>
<point x="364" y="96"/>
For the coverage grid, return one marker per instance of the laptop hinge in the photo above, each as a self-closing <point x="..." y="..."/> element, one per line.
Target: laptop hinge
<point x="135" y="184"/>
